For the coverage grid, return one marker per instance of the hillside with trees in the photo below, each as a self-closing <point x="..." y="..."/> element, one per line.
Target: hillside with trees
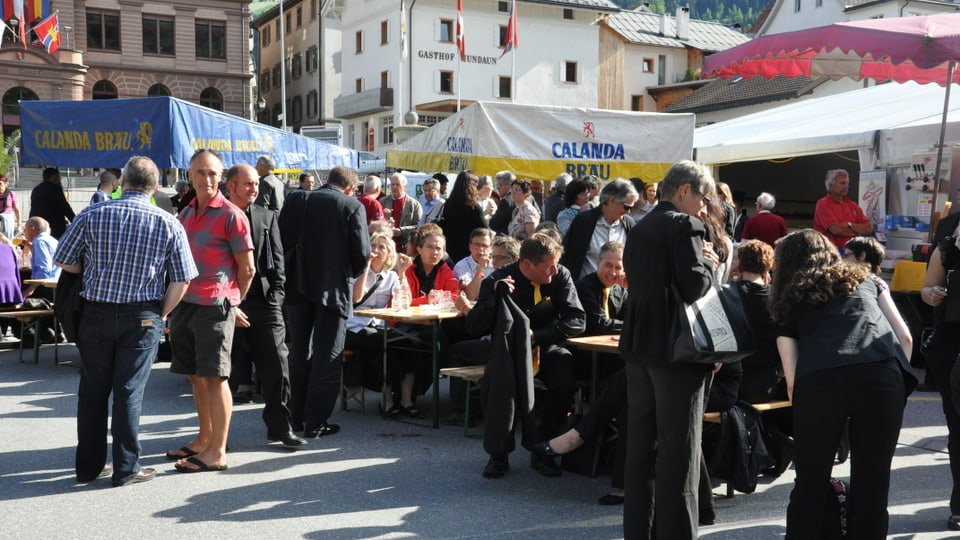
<point x="729" y="12"/>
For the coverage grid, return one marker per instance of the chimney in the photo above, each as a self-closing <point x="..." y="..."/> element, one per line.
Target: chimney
<point x="683" y="22"/>
<point x="663" y="24"/>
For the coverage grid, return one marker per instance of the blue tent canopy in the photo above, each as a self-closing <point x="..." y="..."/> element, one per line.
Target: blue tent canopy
<point x="105" y="133"/>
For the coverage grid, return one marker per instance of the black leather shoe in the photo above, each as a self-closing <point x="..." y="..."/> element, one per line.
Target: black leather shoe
<point x="457" y="418"/>
<point x="145" y="475"/>
<point x="954" y="523"/>
<point x="288" y="439"/>
<point x="610" y="500"/>
<point x="545" y="465"/>
<point x="543" y="450"/>
<point x="496" y="468"/>
<point x="322" y="431"/>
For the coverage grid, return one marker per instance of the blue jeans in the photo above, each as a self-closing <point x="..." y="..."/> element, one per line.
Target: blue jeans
<point x="117" y="344"/>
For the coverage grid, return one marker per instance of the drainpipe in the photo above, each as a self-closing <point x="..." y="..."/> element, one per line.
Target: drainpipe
<point x="410" y="58"/>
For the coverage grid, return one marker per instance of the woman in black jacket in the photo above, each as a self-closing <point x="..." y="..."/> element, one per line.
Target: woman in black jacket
<point x="461" y="215"/>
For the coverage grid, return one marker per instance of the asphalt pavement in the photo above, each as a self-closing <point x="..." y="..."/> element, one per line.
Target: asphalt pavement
<point x="375" y="479"/>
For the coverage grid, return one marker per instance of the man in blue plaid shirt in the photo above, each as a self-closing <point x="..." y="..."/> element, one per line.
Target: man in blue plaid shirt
<point x="136" y="265"/>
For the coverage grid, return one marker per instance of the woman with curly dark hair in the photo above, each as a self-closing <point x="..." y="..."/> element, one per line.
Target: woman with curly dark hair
<point x="461" y="215"/>
<point x="845" y="352"/>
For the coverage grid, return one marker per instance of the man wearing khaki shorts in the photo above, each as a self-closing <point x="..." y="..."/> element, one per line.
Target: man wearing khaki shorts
<point x="201" y="332"/>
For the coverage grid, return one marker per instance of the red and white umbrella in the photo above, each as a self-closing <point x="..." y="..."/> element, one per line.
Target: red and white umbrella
<point x="922" y="49"/>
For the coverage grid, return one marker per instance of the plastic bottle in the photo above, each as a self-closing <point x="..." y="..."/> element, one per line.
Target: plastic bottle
<point x="400" y="294"/>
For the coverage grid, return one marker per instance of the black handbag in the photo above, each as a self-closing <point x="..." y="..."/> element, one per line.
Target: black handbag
<point x="713" y="329"/>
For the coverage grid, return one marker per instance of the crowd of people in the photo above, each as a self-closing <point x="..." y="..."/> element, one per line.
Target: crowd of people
<point x="258" y="288"/>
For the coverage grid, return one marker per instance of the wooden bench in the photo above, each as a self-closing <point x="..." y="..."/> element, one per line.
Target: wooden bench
<point x="472" y="375"/>
<point x="32" y="319"/>
<point x="346" y="394"/>
<point x="714" y="417"/>
<point x="762" y="407"/>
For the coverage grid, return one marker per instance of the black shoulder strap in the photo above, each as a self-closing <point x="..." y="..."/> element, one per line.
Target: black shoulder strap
<point x="369" y="293"/>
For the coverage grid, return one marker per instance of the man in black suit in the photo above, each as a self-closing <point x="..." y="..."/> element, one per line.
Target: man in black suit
<point x="554" y="203"/>
<point x="608" y="222"/>
<point x="260" y="334"/>
<point x="48" y="201"/>
<point x="545" y="292"/>
<point x="501" y="218"/>
<point x="271" y="187"/>
<point x="324" y="233"/>
<point x="665" y="395"/>
<point x="603" y="293"/>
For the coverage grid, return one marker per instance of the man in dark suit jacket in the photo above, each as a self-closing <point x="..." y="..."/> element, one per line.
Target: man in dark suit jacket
<point x="665" y="396"/>
<point x="590" y="230"/>
<point x="260" y="335"/>
<point x="48" y="201"/>
<point x="501" y="218"/>
<point x="326" y="245"/>
<point x="546" y="293"/>
<point x="554" y="203"/>
<point x="408" y="221"/>
<point x="271" y="188"/>
<point x="604" y="309"/>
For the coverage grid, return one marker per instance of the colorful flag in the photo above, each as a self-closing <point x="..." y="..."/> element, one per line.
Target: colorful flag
<point x="511" y="41"/>
<point x="460" y="43"/>
<point x="36" y="9"/>
<point x="18" y="13"/>
<point x="403" y="32"/>
<point x="48" y="32"/>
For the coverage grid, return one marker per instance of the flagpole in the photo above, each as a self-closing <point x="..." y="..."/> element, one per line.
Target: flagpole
<point x="513" y="76"/>
<point x="403" y="53"/>
<point x="459" y="71"/>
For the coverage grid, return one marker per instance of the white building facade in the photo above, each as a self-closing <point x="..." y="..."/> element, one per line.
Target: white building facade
<point x="556" y="61"/>
<point x="311" y="69"/>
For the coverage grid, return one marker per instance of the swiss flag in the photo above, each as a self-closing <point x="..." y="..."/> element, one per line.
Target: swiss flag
<point x="460" y="43"/>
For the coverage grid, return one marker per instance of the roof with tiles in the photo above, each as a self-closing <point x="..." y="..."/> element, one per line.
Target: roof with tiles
<point x="643" y="28"/>
<point x="739" y="92"/>
<point x="593" y="4"/>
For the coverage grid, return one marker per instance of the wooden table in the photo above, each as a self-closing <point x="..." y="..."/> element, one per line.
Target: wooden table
<point x="50" y="283"/>
<point x="419" y="315"/>
<point x="32" y="319"/>
<point x="605" y="343"/>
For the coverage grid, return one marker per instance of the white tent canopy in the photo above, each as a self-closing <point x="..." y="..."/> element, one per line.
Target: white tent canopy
<point x="907" y="117"/>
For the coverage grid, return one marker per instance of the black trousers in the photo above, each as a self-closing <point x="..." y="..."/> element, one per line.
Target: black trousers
<point x="366" y="366"/>
<point x="941" y="359"/>
<point x="663" y="449"/>
<point x="263" y="345"/>
<point x="314" y="380"/>
<point x="610" y="404"/>
<point x="872" y="396"/>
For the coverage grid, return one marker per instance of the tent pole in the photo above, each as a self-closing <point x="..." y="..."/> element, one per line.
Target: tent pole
<point x="943" y="132"/>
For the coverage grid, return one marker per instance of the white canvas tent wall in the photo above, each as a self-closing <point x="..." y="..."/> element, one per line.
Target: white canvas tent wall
<point x="540" y="142"/>
<point x="885" y="123"/>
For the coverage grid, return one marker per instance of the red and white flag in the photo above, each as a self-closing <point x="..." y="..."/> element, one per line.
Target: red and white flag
<point x="460" y="43"/>
<point x="48" y="32"/>
<point x="511" y="41"/>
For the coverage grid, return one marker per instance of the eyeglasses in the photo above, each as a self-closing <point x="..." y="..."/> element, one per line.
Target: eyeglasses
<point x="481" y="246"/>
<point x="627" y="207"/>
<point x="502" y="257"/>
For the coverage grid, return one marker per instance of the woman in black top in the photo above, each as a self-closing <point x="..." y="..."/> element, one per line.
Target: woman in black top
<point x="760" y="376"/>
<point x="461" y="215"/>
<point x="838" y="341"/>
<point x="942" y="349"/>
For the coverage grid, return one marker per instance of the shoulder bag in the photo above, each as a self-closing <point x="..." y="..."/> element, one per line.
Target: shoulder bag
<point x="713" y="329"/>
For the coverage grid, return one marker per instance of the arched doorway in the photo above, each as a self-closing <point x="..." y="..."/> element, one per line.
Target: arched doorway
<point x="211" y="97"/>
<point x="158" y="90"/>
<point x="104" y="89"/>
<point x="11" y="107"/>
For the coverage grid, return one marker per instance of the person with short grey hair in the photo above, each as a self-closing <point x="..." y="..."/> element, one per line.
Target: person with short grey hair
<point x="554" y="203"/>
<point x="271" y="188"/>
<point x="838" y="217"/>
<point x="488" y="205"/>
<point x="369" y="199"/>
<point x="501" y="218"/>
<point x="665" y="395"/>
<point x="766" y="225"/>
<point x="433" y="204"/>
<point x="590" y="230"/>
<point x="404" y="211"/>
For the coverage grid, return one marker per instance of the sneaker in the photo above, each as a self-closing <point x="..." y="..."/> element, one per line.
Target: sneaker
<point x="496" y="468"/>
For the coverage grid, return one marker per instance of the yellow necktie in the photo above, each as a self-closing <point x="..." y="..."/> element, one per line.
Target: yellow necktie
<point x="536" y="293"/>
<point x="605" y="302"/>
